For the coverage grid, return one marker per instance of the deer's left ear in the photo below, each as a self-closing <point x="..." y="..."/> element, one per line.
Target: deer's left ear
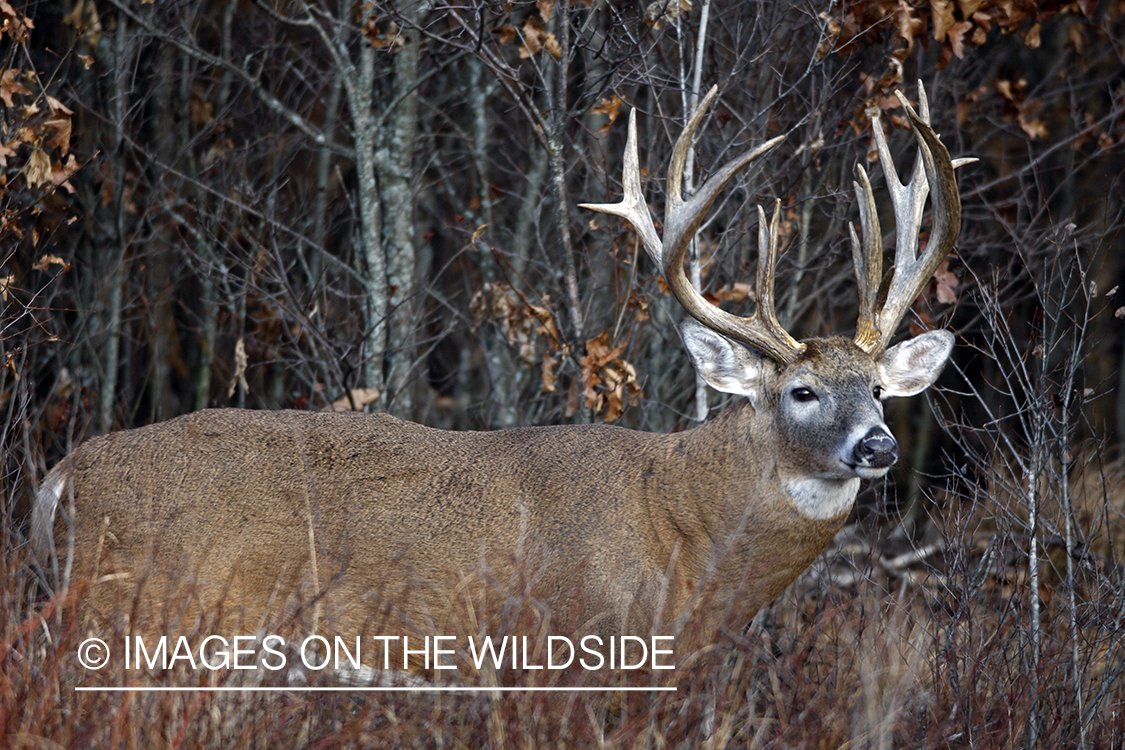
<point x="912" y="366"/>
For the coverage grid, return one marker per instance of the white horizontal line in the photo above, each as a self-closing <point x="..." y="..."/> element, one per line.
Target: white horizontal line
<point x="433" y="689"/>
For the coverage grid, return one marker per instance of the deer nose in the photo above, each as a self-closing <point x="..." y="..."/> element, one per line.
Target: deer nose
<point x="877" y="449"/>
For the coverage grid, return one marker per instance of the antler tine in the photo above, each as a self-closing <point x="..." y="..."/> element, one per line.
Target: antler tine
<point x="868" y="260"/>
<point x="933" y="169"/>
<point x="765" y="317"/>
<point x="682" y="219"/>
<point x="632" y="207"/>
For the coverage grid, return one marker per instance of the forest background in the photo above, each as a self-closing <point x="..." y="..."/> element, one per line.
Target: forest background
<point x="317" y="205"/>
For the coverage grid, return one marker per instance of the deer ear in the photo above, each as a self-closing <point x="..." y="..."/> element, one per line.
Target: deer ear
<point x="726" y="365"/>
<point x="912" y="366"/>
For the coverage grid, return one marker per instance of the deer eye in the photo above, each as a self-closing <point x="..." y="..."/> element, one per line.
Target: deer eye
<point x="877" y="392"/>
<point x="803" y="395"/>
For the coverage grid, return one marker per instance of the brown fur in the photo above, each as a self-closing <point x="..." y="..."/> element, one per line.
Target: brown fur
<point x="233" y="502"/>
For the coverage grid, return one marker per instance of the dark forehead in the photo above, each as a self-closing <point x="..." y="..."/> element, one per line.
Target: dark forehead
<point x="831" y="358"/>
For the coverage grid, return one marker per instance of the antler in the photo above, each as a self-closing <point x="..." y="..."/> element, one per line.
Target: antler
<point x="681" y="220"/>
<point x="911" y="272"/>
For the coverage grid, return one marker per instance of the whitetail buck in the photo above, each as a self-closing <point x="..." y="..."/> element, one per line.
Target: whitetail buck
<point x="366" y="519"/>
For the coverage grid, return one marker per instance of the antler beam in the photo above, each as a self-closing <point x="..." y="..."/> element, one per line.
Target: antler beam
<point x="681" y="220"/>
<point x="911" y="271"/>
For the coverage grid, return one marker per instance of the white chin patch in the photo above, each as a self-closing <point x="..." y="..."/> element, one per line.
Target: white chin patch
<point x="871" y="472"/>
<point x="821" y="499"/>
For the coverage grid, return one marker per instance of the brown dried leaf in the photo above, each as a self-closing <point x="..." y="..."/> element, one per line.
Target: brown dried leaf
<point x="598" y="351"/>
<point x="832" y="33"/>
<point x="941" y="11"/>
<point x="525" y="345"/>
<point x="608" y="381"/>
<point x="360" y="396"/>
<point x="590" y="394"/>
<point x="391" y="39"/>
<point x="572" y="399"/>
<point x="46" y="261"/>
<point x="61" y="172"/>
<point x="58" y="133"/>
<point x="610" y="108"/>
<point x="945" y="282"/>
<point x="909" y="23"/>
<point x="664" y="10"/>
<point x="524" y="325"/>
<point x="1033" y="126"/>
<point x="956" y="35"/>
<point x="16" y="24"/>
<point x="545" y="8"/>
<point x="551" y="44"/>
<point x="621" y="379"/>
<point x="639" y="302"/>
<point x="963" y="111"/>
<point x="58" y="108"/>
<point x="241" y="361"/>
<point x="737" y="292"/>
<point x="6" y="152"/>
<point x="9" y="281"/>
<point x="10" y="85"/>
<point x="1076" y="35"/>
<point x="533" y="34"/>
<point x="550" y="384"/>
<point x="38" y="168"/>
<point x="615" y="393"/>
<point x="547" y="326"/>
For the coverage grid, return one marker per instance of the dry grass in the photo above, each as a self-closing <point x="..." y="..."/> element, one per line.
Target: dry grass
<point x="939" y="658"/>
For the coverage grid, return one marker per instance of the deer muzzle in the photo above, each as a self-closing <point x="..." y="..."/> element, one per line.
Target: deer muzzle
<point x="877" y="449"/>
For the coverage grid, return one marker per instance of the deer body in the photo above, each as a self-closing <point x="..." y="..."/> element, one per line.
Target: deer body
<point x="616" y="521"/>
<point x="374" y="524"/>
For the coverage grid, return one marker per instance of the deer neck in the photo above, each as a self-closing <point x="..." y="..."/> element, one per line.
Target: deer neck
<point x="740" y="452"/>
<point x="745" y="506"/>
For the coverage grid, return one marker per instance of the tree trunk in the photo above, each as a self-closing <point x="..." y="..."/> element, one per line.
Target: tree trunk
<point x="396" y="178"/>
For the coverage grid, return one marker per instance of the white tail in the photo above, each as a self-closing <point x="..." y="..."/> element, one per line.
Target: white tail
<point x="370" y="523"/>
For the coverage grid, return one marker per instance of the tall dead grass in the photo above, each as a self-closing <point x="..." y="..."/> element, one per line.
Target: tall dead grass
<point x="878" y="661"/>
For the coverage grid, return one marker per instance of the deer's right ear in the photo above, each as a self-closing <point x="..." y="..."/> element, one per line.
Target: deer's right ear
<point x="726" y="365"/>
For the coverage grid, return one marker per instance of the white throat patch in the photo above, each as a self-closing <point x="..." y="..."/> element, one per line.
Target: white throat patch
<point x="821" y="499"/>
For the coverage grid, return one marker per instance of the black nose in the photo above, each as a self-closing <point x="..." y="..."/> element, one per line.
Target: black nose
<point x="877" y="449"/>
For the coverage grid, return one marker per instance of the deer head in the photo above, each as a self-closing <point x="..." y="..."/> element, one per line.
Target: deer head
<point x="811" y="385"/>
